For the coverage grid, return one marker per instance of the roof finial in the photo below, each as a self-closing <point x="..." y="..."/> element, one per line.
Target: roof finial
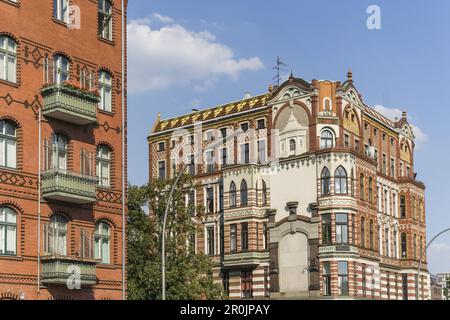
<point x="404" y="114"/>
<point x="270" y="87"/>
<point x="159" y="116"/>
<point x="291" y="76"/>
<point x="350" y="75"/>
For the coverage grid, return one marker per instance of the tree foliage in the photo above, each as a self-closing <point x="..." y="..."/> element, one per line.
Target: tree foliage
<point x="188" y="275"/>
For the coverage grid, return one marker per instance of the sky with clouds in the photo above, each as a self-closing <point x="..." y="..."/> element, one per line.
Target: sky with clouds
<point x="201" y="53"/>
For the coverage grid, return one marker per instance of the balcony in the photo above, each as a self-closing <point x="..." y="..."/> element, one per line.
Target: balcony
<point x="60" y="269"/>
<point x="251" y="258"/>
<point x="69" y="103"/>
<point x="68" y="186"/>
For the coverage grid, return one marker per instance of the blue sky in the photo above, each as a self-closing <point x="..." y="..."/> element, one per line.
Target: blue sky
<point x="199" y="53"/>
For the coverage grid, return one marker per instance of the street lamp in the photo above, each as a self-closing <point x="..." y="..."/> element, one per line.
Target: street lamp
<point x="421" y="256"/>
<point x="166" y="212"/>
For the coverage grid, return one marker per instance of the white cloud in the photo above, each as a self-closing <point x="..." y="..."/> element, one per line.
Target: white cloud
<point x="392" y="113"/>
<point x="174" y="56"/>
<point x="161" y="18"/>
<point x="440" y="247"/>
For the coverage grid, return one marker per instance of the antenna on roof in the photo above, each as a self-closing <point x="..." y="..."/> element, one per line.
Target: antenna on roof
<point x="278" y="68"/>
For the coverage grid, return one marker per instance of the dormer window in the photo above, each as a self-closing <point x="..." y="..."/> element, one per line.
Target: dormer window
<point x="292" y="145"/>
<point x="244" y="126"/>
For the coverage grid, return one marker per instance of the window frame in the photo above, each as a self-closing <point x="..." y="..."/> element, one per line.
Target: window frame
<point x="98" y="235"/>
<point x="9" y="54"/>
<point x="105" y="15"/>
<point x="100" y="160"/>
<point x="8" y="138"/>
<point x="5" y="225"/>
<point x="104" y="85"/>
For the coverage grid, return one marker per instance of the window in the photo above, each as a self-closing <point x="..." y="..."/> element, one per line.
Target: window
<point x="325" y="183"/>
<point x="233" y="238"/>
<point x="221" y="197"/>
<point x="292" y="145"/>
<point x="232" y="195"/>
<point x="61" y="69"/>
<point x="326" y="229"/>
<point x="261" y="124"/>
<point x="386" y="241"/>
<point x="245" y="153"/>
<point x="414" y="208"/>
<point x="8" y="231"/>
<point x="326" y="139"/>
<point x="224" y="156"/>
<point x="384" y="164"/>
<point x="223" y="133"/>
<point x="61" y="10"/>
<point x="246" y="284"/>
<point x="346" y="141"/>
<point x="210" y="241"/>
<point x="370" y="190"/>
<point x="244" y="193"/>
<point x="362" y="191"/>
<point x="244" y="126"/>
<point x="265" y="236"/>
<point x="191" y="140"/>
<point x="340" y="181"/>
<point x="161" y="146"/>
<point x="105" y="90"/>
<point x="405" y="286"/>
<point x="415" y="247"/>
<point x="226" y="282"/>
<point x="210" y="161"/>
<point x="162" y="170"/>
<point x="363" y="276"/>
<point x="261" y="151"/>
<point x="264" y="193"/>
<point x="392" y="167"/>
<point x="371" y="235"/>
<point x="57" y="237"/>
<point x="363" y="232"/>
<point x="402" y="207"/>
<point x="395" y="244"/>
<point x="191" y="202"/>
<point x="8" y="144"/>
<point x="244" y="236"/>
<point x="105" y="19"/>
<point x="209" y="200"/>
<point x="102" y="241"/>
<point x="104" y="166"/>
<point x="59" y="149"/>
<point x="356" y="144"/>
<point x="8" y="59"/>
<point x="341" y="228"/>
<point x="342" y="278"/>
<point x="403" y="244"/>
<point x="326" y="279"/>
<point x="191" y="165"/>
<point x="173" y="169"/>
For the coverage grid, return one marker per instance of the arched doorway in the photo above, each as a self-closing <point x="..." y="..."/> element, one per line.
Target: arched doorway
<point x="293" y="263"/>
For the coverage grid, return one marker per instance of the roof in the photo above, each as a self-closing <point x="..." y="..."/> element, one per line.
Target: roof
<point x="211" y="113"/>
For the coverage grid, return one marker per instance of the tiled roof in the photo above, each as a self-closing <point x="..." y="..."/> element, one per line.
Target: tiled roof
<point x="379" y="117"/>
<point x="211" y="113"/>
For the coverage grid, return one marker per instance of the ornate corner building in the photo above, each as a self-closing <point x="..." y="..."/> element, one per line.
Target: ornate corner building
<point x="316" y="197"/>
<point x="62" y="117"/>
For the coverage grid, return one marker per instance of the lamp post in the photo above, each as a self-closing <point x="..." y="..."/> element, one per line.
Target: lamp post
<point x="166" y="212"/>
<point x="421" y="256"/>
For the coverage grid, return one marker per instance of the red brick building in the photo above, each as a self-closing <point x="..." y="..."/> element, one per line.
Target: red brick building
<point x="62" y="150"/>
<point x="316" y="197"/>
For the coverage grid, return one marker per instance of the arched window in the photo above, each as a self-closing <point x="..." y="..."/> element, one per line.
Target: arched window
<point x="8" y="59"/>
<point x="57" y="235"/>
<point x="102" y="241"/>
<point x="326" y="139"/>
<point x="370" y="190"/>
<point x="371" y="235"/>
<point x="352" y="179"/>
<point x="105" y="90"/>
<point x="8" y="144"/>
<point x="244" y="193"/>
<point x="264" y="193"/>
<point x="420" y="247"/>
<point x="292" y="145"/>
<point x="403" y="244"/>
<point x="61" y="69"/>
<point x="340" y="181"/>
<point x="232" y="195"/>
<point x="8" y="231"/>
<point x="105" y="19"/>
<point x="61" y="10"/>
<point x="326" y="104"/>
<point x="363" y="232"/>
<point x="104" y="165"/>
<point x="414" y="208"/>
<point x="362" y="190"/>
<point x="415" y="247"/>
<point x="59" y="151"/>
<point x="325" y="181"/>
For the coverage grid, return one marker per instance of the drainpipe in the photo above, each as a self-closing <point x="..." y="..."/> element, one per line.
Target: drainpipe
<point x="123" y="151"/>
<point x="39" y="203"/>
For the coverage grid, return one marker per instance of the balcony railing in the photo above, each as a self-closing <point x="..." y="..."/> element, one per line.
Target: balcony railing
<point x="245" y="258"/>
<point x="70" y="104"/>
<point x="63" y="185"/>
<point x="59" y="268"/>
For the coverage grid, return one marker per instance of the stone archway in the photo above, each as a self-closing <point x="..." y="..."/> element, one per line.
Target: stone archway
<point x="293" y="263"/>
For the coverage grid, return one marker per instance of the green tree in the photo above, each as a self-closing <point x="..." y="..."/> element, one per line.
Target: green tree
<point x="188" y="275"/>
